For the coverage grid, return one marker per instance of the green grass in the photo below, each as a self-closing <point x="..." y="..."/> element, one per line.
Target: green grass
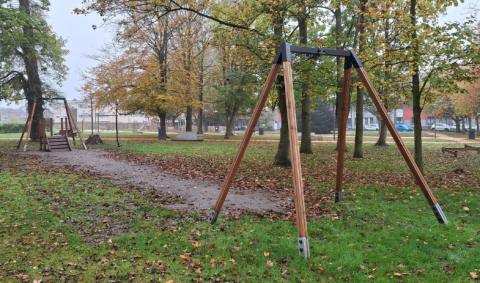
<point x="59" y="225"/>
<point x="11" y="136"/>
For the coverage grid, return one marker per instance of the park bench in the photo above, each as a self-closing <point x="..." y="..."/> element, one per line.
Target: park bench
<point x="187" y="136"/>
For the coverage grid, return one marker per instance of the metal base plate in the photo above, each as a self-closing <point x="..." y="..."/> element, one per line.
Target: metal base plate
<point x="213" y="217"/>
<point x="338" y="196"/>
<point x="25" y="148"/>
<point x="303" y="247"/>
<point x="84" y="146"/>
<point x="437" y="210"/>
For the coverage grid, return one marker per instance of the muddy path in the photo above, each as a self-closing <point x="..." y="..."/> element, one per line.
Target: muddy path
<point x="200" y="195"/>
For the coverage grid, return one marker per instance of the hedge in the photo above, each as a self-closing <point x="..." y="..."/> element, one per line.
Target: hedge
<point x="6" y="128"/>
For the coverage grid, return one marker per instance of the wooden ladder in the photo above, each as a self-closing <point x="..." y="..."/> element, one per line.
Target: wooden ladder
<point x="58" y="143"/>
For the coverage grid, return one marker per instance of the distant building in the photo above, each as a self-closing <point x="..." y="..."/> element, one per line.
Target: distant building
<point x="10" y="115"/>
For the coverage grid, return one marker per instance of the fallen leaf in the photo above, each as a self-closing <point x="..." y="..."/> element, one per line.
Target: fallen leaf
<point x="269" y="263"/>
<point x="466" y="208"/>
<point x="474" y="275"/>
<point x="266" y="254"/>
<point x="397" y="274"/>
<point x="362" y="234"/>
<point x="103" y="260"/>
<point x="371" y="276"/>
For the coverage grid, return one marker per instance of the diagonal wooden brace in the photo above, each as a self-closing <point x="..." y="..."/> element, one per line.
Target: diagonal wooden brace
<point x="243" y="146"/>
<point x="401" y="146"/>
<point x="303" y="247"/>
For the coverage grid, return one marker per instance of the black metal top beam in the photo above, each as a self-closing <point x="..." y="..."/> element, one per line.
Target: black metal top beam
<point x="46" y="98"/>
<point x="284" y="53"/>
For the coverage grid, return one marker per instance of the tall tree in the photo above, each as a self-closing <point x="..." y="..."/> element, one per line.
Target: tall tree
<point x="358" y="150"/>
<point x="31" y="55"/>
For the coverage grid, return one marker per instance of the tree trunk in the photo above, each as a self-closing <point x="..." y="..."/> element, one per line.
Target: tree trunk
<point x="417" y="109"/>
<point x="358" y="151"/>
<point x="200" y="120"/>
<point x="200" y="96"/>
<point x="339" y="60"/>
<point x="463" y="125"/>
<point x="163" y="118"/>
<point x="33" y="84"/>
<point x="382" y="139"/>
<point x="477" y="119"/>
<point x="283" y="152"/>
<point x="188" y="118"/>
<point x="306" y="143"/>
<point x="230" y="123"/>
<point x="457" y="124"/>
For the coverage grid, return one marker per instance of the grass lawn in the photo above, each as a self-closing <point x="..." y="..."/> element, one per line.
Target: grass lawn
<point x="59" y="225"/>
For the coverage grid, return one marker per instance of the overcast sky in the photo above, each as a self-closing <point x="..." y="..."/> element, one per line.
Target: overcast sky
<point x="82" y="39"/>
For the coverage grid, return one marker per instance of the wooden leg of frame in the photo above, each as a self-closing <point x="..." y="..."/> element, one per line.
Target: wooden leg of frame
<point x="401" y="146"/>
<point x="342" y="134"/>
<point x="243" y="146"/>
<point x="69" y="114"/>
<point x="303" y="247"/>
<point x="29" y="126"/>
<point x="24" y="129"/>
<point x="76" y="126"/>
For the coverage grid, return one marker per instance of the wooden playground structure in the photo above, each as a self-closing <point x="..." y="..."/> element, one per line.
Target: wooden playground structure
<point x="55" y="142"/>
<point x="454" y="150"/>
<point x="283" y="57"/>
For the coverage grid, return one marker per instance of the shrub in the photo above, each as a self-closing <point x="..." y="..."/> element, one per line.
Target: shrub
<point x="6" y="128"/>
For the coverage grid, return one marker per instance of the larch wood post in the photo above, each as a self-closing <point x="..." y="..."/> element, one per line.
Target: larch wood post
<point x="29" y="126"/>
<point x="61" y="125"/>
<point x="437" y="210"/>
<point x="342" y="132"/>
<point x="51" y="126"/>
<point x="243" y="146"/>
<point x="76" y="127"/>
<point x="69" y="115"/>
<point x="25" y="128"/>
<point x="303" y="245"/>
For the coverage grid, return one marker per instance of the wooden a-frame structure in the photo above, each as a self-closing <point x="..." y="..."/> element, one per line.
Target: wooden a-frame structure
<point x="28" y="124"/>
<point x="351" y="59"/>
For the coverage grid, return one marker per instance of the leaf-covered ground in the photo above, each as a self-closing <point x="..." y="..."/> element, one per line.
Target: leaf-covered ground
<point x="382" y="166"/>
<point x="61" y="225"/>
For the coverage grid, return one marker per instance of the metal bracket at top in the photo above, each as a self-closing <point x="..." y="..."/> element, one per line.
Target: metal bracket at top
<point x="48" y="98"/>
<point x="285" y="50"/>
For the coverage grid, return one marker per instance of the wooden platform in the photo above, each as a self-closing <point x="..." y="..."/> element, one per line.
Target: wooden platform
<point x="58" y="143"/>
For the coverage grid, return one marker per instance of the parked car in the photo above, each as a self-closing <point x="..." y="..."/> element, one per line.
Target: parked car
<point x="442" y="127"/>
<point x="403" y="128"/>
<point x="375" y="126"/>
<point x="370" y="128"/>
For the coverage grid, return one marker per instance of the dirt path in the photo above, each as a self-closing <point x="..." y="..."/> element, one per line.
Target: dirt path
<point x="200" y="195"/>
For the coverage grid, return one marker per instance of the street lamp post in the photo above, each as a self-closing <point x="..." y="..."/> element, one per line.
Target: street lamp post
<point x="435" y="118"/>
<point x="91" y="112"/>
<point x="116" y="120"/>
